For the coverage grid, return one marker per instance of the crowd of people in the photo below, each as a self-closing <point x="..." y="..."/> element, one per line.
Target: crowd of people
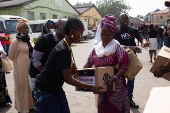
<point x="41" y="69"/>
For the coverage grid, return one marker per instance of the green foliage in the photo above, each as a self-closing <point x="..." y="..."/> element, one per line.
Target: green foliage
<point x="140" y="17"/>
<point x="112" y="7"/>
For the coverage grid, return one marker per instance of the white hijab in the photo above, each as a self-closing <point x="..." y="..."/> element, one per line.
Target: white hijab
<point x="101" y="51"/>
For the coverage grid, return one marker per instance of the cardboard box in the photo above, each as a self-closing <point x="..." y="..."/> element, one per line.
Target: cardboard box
<point x="95" y="76"/>
<point x="159" y="101"/>
<point x="161" y="59"/>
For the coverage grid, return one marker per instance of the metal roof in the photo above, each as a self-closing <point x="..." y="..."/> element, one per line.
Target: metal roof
<point x="83" y="8"/>
<point x="13" y="3"/>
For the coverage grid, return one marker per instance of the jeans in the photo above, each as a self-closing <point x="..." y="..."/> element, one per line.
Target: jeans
<point x="4" y="47"/>
<point x="130" y="85"/>
<point x="161" y="41"/>
<point x="7" y="48"/>
<point x="46" y="102"/>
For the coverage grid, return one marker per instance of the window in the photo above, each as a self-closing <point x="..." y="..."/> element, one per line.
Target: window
<point x="54" y="16"/>
<point x="38" y="28"/>
<point x="11" y="26"/>
<point x="161" y="17"/>
<point x="1" y="26"/>
<point x="65" y="17"/>
<point x="42" y="16"/>
<point x="30" y="15"/>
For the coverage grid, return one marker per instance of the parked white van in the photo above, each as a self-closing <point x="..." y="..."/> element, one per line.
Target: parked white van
<point x="8" y="23"/>
<point x="37" y="27"/>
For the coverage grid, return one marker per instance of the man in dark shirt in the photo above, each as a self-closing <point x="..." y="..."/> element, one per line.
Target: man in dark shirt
<point x="126" y="36"/>
<point x="43" y="48"/>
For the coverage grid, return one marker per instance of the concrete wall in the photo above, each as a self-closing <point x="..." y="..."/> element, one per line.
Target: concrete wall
<point x="136" y="22"/>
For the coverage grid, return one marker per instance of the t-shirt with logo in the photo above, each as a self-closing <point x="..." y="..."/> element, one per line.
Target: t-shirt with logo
<point x="127" y="36"/>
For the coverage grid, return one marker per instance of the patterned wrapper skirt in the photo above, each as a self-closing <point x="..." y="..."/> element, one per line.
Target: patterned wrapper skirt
<point x="116" y="101"/>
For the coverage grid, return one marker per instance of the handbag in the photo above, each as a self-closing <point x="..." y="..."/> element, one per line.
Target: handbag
<point x="6" y="64"/>
<point x="134" y="65"/>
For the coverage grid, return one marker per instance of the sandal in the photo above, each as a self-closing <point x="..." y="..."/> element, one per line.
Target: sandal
<point x="150" y="61"/>
<point x="154" y="58"/>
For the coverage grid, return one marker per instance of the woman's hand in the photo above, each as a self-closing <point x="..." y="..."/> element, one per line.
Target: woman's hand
<point x="2" y="52"/>
<point x="109" y="83"/>
<point x="97" y="89"/>
<point x="158" y="73"/>
<point x="136" y="49"/>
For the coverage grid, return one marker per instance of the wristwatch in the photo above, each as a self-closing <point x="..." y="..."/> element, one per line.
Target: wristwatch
<point x="163" y="70"/>
<point x="115" y="77"/>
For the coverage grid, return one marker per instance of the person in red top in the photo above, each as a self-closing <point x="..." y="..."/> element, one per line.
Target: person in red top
<point x="8" y="42"/>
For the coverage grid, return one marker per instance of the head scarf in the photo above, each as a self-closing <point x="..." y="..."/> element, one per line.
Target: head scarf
<point x="111" y="47"/>
<point x="109" y="22"/>
<point x="20" y="23"/>
<point x="26" y="39"/>
<point x="46" y="29"/>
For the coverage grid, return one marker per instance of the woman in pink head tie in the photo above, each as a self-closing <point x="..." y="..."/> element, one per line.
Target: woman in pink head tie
<point x="108" y="52"/>
<point x="20" y="53"/>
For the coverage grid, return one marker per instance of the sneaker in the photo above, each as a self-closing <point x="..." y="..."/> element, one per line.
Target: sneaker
<point x="133" y="104"/>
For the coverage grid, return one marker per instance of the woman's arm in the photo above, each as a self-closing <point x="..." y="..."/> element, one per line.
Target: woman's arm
<point x="159" y="72"/>
<point x="4" y="38"/>
<point x="13" y="49"/>
<point x="123" y="62"/>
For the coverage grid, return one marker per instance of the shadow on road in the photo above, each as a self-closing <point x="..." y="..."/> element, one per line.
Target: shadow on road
<point x="4" y="109"/>
<point x="81" y="42"/>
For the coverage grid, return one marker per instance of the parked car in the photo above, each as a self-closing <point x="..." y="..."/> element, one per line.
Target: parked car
<point x="85" y="33"/>
<point x="91" y="34"/>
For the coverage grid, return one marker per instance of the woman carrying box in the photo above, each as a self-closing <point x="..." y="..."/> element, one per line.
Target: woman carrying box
<point x="108" y="52"/>
<point x="48" y="93"/>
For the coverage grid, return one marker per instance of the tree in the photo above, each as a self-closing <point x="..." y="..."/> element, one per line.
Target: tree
<point x="140" y="17"/>
<point x="112" y="7"/>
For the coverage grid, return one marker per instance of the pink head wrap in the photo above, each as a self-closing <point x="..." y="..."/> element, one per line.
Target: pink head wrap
<point x="109" y="22"/>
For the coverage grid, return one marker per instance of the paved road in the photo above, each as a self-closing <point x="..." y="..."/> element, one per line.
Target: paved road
<point x="83" y="102"/>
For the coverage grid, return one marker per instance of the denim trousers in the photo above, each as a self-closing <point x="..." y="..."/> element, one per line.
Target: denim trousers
<point x="130" y="85"/>
<point x="46" y="102"/>
<point x="161" y="43"/>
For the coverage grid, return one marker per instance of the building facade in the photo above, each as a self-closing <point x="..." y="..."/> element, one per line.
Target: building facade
<point x="158" y="17"/>
<point x="39" y="9"/>
<point x="90" y="14"/>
